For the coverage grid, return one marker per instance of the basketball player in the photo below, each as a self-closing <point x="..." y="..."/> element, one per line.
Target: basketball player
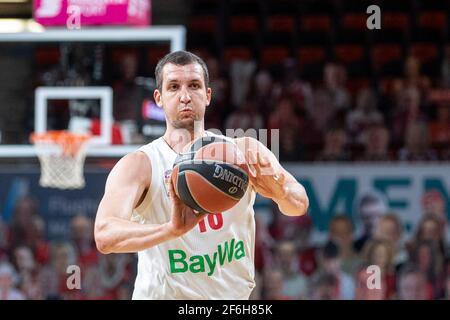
<point x="183" y="254"/>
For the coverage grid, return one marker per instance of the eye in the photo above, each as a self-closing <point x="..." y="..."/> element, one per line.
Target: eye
<point x="173" y="87"/>
<point x="195" y="85"/>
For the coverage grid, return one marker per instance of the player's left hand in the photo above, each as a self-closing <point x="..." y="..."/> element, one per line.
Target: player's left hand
<point x="267" y="178"/>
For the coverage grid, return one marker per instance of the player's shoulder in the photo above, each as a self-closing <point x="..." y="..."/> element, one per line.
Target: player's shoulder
<point x="135" y="165"/>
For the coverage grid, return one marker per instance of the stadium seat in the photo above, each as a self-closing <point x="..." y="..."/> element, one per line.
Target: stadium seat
<point x="425" y="52"/>
<point x="273" y="55"/>
<point x="281" y="23"/>
<point x="311" y="60"/>
<point x="433" y="20"/>
<point x="349" y="53"/>
<point x="237" y="53"/>
<point x="396" y="21"/>
<point x="203" y="23"/>
<point x="428" y="55"/>
<point x="386" y="59"/>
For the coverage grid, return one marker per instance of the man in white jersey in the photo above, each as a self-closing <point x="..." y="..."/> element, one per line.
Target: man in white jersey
<point x="183" y="254"/>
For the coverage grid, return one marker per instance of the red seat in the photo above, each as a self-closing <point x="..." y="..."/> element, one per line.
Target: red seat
<point x="47" y="56"/>
<point x="237" y="53"/>
<point x="316" y="23"/>
<point x="395" y="20"/>
<point x="156" y="53"/>
<point x="424" y="51"/>
<point x="354" y="21"/>
<point x="274" y="55"/>
<point x="435" y="20"/>
<point x="385" y="53"/>
<point x="243" y="24"/>
<point x="205" y="23"/>
<point x="310" y="55"/>
<point x="280" y="23"/>
<point x="348" y="53"/>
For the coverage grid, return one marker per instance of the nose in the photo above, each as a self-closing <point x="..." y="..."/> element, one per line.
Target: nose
<point x="185" y="98"/>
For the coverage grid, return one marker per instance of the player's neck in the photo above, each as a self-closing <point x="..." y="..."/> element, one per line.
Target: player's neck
<point x="177" y="139"/>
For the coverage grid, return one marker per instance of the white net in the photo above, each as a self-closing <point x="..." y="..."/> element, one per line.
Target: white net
<point x="61" y="155"/>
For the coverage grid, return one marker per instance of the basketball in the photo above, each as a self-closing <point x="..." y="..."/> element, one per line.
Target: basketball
<point x="211" y="176"/>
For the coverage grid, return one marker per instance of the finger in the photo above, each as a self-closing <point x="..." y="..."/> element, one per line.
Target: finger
<point x="251" y="167"/>
<point x="252" y="157"/>
<point x="280" y="177"/>
<point x="201" y="216"/>
<point x="263" y="160"/>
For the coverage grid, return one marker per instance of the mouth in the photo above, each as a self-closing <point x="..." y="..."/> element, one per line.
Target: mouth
<point x="186" y="111"/>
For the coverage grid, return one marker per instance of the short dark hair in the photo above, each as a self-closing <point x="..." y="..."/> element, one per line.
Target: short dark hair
<point x="180" y="58"/>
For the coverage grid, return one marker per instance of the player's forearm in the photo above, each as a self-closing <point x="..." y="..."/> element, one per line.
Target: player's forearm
<point x="295" y="201"/>
<point x="114" y="235"/>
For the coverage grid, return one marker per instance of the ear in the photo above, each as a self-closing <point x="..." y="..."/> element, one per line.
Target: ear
<point x="157" y="97"/>
<point x="208" y="96"/>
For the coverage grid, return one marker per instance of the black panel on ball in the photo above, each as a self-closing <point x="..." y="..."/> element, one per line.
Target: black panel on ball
<point x="225" y="177"/>
<point x="185" y="194"/>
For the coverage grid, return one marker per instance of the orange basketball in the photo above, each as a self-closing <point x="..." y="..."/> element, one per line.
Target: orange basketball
<point x="211" y="176"/>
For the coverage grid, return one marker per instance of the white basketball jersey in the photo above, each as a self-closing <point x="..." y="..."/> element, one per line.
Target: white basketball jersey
<point x="214" y="260"/>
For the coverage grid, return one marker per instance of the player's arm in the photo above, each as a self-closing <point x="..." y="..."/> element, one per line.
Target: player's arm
<point x="271" y="180"/>
<point x="126" y="184"/>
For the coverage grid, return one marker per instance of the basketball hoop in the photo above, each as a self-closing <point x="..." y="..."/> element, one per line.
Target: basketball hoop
<point x="61" y="155"/>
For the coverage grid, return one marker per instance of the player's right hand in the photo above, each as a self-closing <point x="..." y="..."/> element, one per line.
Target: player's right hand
<point x="183" y="218"/>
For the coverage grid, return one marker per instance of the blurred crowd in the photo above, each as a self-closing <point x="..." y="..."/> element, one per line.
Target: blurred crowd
<point x="396" y="119"/>
<point x="331" y="118"/>
<point x="381" y="262"/>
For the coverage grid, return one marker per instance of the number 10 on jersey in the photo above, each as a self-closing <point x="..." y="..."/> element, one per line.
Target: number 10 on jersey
<point x="214" y="221"/>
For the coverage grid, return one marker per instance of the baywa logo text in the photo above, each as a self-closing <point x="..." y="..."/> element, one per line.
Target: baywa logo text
<point x="226" y="252"/>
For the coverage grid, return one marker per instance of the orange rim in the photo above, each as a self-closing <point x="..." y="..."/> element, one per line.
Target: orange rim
<point x="70" y="142"/>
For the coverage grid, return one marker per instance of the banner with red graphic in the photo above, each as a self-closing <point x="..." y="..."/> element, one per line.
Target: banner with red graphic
<point x="92" y="12"/>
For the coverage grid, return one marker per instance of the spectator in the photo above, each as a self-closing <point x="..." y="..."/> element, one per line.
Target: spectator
<point x="273" y="285"/>
<point x="389" y="229"/>
<point x="447" y="288"/>
<point x="380" y="253"/>
<point x="263" y="245"/>
<point x="425" y="256"/>
<point x="219" y="85"/>
<point x="340" y="232"/>
<point x="29" y="273"/>
<point x="4" y="235"/>
<point x="103" y="281"/>
<point x="364" y="115"/>
<point x="376" y="144"/>
<point x="245" y="117"/>
<point x="406" y="112"/>
<point x="417" y="144"/>
<point x="128" y="98"/>
<point x="433" y="204"/>
<point x="323" y="287"/>
<point x="331" y="264"/>
<point x="365" y="286"/>
<point x="83" y="240"/>
<point x="54" y="275"/>
<point x="294" y="283"/>
<point x="335" y="146"/>
<point x="22" y="232"/>
<point x="430" y="229"/>
<point x="8" y="280"/>
<point x="41" y="247"/>
<point x="371" y="207"/>
<point x="262" y="92"/>
<point x="334" y="77"/>
<point x="289" y="123"/>
<point x="445" y="69"/>
<point x="439" y="129"/>
<point x="412" y="284"/>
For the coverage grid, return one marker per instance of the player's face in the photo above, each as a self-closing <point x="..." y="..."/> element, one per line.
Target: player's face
<point x="183" y="95"/>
